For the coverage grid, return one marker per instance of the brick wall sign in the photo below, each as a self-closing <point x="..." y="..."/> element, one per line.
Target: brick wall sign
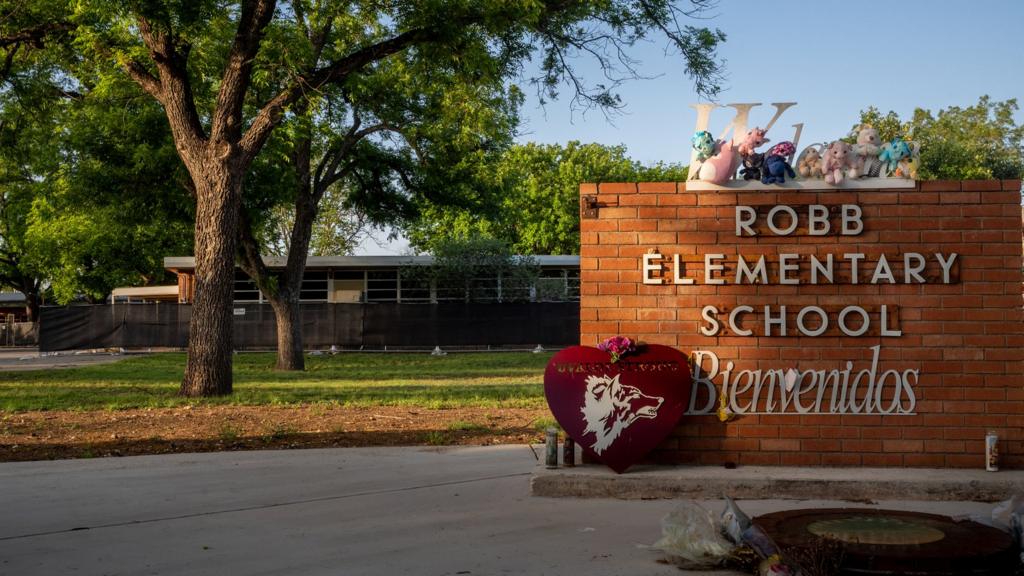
<point x="861" y="327"/>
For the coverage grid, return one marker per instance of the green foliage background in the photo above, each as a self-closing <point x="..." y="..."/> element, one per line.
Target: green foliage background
<point x="959" y="143"/>
<point x="534" y="207"/>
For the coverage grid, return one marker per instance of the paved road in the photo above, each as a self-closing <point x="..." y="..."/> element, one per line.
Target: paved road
<point x="19" y="359"/>
<point x="338" y="511"/>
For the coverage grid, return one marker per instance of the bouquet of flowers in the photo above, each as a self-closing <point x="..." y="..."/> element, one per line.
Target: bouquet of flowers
<point x="617" y="346"/>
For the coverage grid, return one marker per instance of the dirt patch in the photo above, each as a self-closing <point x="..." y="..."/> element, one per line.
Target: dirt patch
<point x="70" y="434"/>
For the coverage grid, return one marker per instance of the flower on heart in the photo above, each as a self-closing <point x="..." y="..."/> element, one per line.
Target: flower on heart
<point x="617" y="346"/>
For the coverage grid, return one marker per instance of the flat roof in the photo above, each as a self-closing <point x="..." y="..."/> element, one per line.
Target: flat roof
<point x="179" y="263"/>
<point x="12" y="297"/>
<point x="146" y="291"/>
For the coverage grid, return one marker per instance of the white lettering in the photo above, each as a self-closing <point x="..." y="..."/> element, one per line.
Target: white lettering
<point x="710" y="266"/>
<point x="883" y="271"/>
<point x="865" y="321"/>
<point x="792" y="220"/>
<point x="911" y="271"/>
<point x="785" y="268"/>
<point x="779" y="321"/>
<point x="853" y="223"/>
<point x="651" y="266"/>
<point x="825" y="270"/>
<point x="822" y="321"/>
<point x="742" y="270"/>
<point x="854" y="271"/>
<point x="774" y="391"/>
<point x="734" y="325"/>
<point x="709" y="313"/>
<point x="745" y="216"/>
<point x="678" y="271"/>
<point x="886" y="331"/>
<point x="817" y="220"/>
<point x="947" y="265"/>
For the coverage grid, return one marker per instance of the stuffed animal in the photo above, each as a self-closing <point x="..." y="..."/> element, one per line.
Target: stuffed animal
<point x="752" y="166"/>
<point x="866" y="150"/>
<point x="837" y="162"/>
<point x="809" y="164"/>
<point x="907" y="167"/>
<point x="704" y="144"/>
<point x="754" y="139"/>
<point x="784" y="149"/>
<point x="775" y="170"/>
<point x="720" y="167"/>
<point x="892" y="152"/>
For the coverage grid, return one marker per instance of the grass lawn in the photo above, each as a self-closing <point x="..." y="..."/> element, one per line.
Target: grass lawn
<point x="487" y="380"/>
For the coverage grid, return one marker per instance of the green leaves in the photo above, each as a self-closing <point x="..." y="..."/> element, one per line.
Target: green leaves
<point x="534" y="207"/>
<point x="975" y="142"/>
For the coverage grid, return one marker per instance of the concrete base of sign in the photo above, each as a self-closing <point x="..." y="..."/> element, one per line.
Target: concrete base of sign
<point x="848" y="184"/>
<point x="757" y="482"/>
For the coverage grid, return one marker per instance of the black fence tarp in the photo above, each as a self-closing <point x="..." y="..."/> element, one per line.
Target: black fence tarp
<point x="372" y="326"/>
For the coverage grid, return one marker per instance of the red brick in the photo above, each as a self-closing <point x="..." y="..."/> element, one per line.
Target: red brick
<point x="966" y="338"/>
<point x="617" y="188"/>
<point x="940" y="185"/>
<point x="970" y="185"/>
<point x="657" y="187"/>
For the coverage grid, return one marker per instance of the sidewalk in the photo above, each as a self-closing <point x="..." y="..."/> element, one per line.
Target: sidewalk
<point x="765" y="482"/>
<point x="361" y="511"/>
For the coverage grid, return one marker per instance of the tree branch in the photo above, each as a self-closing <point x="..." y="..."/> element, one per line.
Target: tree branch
<point x="270" y="115"/>
<point x="250" y="259"/>
<point x="151" y="84"/>
<point x="175" y="88"/>
<point x="328" y="173"/>
<point x="227" y="116"/>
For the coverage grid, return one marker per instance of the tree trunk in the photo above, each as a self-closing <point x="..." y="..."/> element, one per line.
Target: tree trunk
<point x="30" y="288"/>
<point x="32" y="307"/>
<point x="210" y="333"/>
<point x="288" y="316"/>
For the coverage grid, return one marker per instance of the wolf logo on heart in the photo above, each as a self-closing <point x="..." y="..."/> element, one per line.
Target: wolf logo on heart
<point x="610" y="407"/>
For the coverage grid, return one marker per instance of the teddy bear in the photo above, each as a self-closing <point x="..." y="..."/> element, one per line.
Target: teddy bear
<point x="775" y="165"/>
<point x="866" y="150"/>
<point x="809" y="164"/>
<point x="751" y="169"/>
<point x="838" y="160"/>
<point x="892" y="152"/>
<point x="753" y="139"/>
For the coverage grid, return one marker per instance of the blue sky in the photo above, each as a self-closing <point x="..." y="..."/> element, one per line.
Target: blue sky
<point x="832" y="58"/>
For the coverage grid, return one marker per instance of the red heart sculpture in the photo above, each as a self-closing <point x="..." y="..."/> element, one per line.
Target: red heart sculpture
<point x="618" y="412"/>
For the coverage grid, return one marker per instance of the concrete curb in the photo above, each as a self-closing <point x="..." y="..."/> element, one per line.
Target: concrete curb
<point x="757" y="483"/>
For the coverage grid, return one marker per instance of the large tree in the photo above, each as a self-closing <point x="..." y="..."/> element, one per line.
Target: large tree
<point x="116" y="201"/>
<point x="535" y="208"/>
<point x="228" y="73"/>
<point x="92" y="194"/>
<point x="959" y="143"/>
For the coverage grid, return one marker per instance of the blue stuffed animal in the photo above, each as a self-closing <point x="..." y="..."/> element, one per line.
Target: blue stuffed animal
<point x="775" y="169"/>
<point x="704" y="143"/>
<point x="891" y="154"/>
